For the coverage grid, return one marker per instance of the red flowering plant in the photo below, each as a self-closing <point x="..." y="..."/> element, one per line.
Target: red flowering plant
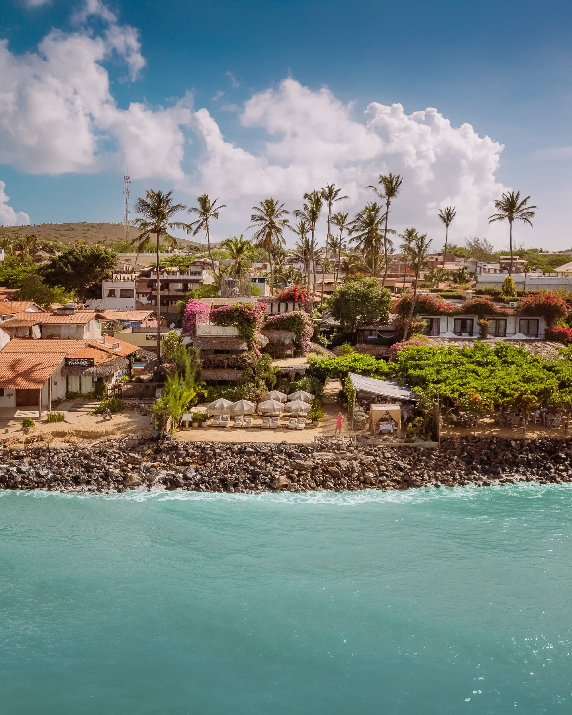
<point x="297" y="322"/>
<point x="248" y="318"/>
<point x="551" y="307"/>
<point x="424" y="305"/>
<point x="480" y="306"/>
<point x="559" y="335"/>
<point x="295" y="293"/>
<point x="195" y="313"/>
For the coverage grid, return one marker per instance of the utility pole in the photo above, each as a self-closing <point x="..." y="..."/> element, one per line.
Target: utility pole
<point x="127" y="180"/>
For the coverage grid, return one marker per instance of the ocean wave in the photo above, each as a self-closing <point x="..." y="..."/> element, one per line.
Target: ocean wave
<point x="366" y="496"/>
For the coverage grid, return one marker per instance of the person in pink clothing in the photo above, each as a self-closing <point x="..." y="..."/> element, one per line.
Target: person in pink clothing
<point x="339" y="422"/>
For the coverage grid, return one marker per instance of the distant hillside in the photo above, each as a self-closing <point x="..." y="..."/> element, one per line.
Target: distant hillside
<point x="88" y="232"/>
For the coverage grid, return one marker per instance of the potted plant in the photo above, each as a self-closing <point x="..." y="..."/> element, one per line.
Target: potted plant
<point x="198" y="419"/>
<point x="315" y="415"/>
<point x="28" y="424"/>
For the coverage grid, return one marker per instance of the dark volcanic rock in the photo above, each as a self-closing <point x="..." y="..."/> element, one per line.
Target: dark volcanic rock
<point x="201" y="466"/>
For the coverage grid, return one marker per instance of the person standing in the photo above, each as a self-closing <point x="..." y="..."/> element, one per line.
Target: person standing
<point x="339" y="423"/>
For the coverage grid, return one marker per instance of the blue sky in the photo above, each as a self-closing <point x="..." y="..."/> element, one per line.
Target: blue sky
<point x="210" y="109"/>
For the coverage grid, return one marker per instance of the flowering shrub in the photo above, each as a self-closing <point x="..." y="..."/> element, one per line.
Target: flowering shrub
<point x="195" y="313"/>
<point x="246" y="317"/>
<point x="479" y="306"/>
<point x="484" y="327"/>
<point x="396" y="348"/>
<point x="297" y="322"/>
<point x="295" y="293"/>
<point x="424" y="305"/>
<point x="549" y="306"/>
<point x="559" y="335"/>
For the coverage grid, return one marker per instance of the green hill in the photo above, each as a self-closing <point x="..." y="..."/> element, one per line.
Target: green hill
<point x="107" y="233"/>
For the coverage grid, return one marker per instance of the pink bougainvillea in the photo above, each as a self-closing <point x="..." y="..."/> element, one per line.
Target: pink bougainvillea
<point x="559" y="335"/>
<point x="295" y="293"/>
<point x="248" y="318"/>
<point x="297" y="322"/>
<point x="195" y="313"/>
<point x="551" y="307"/>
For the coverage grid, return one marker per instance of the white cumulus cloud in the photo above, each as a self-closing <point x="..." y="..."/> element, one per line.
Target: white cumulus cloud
<point x="57" y="113"/>
<point x="9" y="217"/>
<point x="312" y="138"/>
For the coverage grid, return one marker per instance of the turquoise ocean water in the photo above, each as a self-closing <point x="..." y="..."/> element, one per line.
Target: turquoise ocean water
<point x="412" y="603"/>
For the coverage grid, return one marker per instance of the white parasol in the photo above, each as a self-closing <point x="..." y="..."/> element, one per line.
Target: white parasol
<point x="276" y="395"/>
<point x="243" y="407"/>
<point x="301" y="395"/>
<point x="298" y="407"/>
<point x="220" y="407"/>
<point x="270" y="407"/>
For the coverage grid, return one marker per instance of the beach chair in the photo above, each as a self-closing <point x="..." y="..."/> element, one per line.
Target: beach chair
<point x="292" y="423"/>
<point x="274" y="422"/>
<point x="237" y="422"/>
<point x="216" y="421"/>
<point x="225" y="420"/>
<point x="301" y="423"/>
<point x="247" y="421"/>
<point x="265" y="422"/>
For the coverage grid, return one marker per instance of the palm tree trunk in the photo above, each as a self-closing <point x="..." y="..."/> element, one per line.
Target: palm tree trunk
<point x="271" y="272"/>
<point x="158" y="304"/>
<point x="313" y="265"/>
<point x="385" y="245"/>
<point x="209" y="247"/>
<point x="412" y="309"/>
<point x="510" y="241"/>
<point x="339" y="258"/>
<point x="326" y="256"/>
<point x="446" y="241"/>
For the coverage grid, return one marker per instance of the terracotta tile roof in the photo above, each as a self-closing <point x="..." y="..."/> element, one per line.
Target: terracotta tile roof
<point x="126" y="315"/>
<point x="42" y="347"/>
<point x="98" y="356"/>
<point x="7" y="307"/>
<point x="79" y="318"/>
<point x="24" y="371"/>
<point x="123" y="350"/>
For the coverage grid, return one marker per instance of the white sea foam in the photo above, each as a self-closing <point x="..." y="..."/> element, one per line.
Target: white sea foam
<point x="366" y="496"/>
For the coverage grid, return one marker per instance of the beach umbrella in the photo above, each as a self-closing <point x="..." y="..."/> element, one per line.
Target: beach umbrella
<point x="220" y="407"/>
<point x="243" y="407"/>
<point x="298" y="407"/>
<point x="301" y="395"/>
<point x="270" y="407"/>
<point x="276" y="395"/>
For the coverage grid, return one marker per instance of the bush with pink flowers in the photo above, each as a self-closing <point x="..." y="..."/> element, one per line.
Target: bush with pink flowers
<point x="551" y="307"/>
<point x="195" y="313"/>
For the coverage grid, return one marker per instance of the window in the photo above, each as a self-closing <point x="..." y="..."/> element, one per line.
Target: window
<point x="497" y="327"/>
<point x="433" y="326"/>
<point x="111" y="293"/>
<point x="463" y="326"/>
<point x="528" y="327"/>
<point x="1" y="392"/>
<point x="126" y="293"/>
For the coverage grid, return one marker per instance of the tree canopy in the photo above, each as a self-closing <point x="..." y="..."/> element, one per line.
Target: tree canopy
<point x="80" y="269"/>
<point x="360" y="302"/>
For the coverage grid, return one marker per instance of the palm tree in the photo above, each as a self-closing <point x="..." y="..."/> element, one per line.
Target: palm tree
<point x="329" y="195"/>
<point x="415" y="248"/>
<point x="158" y="210"/>
<point x="447" y="215"/>
<point x="240" y="251"/>
<point x="206" y="212"/>
<point x="341" y="221"/>
<point x="310" y="212"/>
<point x="511" y="208"/>
<point x="303" y="248"/>
<point x="365" y="231"/>
<point x="269" y="220"/>
<point x="391" y="186"/>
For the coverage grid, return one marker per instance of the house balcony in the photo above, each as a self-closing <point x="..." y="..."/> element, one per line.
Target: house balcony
<point x="205" y="330"/>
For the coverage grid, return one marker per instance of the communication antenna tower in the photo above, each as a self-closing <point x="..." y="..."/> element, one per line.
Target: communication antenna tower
<point x="127" y="180"/>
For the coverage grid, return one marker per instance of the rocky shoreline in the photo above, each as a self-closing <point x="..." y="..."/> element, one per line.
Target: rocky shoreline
<point x="119" y="465"/>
